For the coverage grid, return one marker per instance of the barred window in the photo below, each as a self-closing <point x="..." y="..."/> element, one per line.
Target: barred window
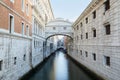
<point x="86" y="20"/>
<point x="86" y="53"/>
<point x="94" y="33"/>
<point x="86" y="35"/>
<point x="107" y="60"/>
<point x="107" y="28"/>
<point x="94" y="14"/>
<point x="1" y="63"/>
<point x="107" y="5"/>
<point x="94" y="56"/>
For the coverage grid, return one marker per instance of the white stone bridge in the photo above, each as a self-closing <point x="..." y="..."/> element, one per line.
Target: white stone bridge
<point x="59" y="27"/>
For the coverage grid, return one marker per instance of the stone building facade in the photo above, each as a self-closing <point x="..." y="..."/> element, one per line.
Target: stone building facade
<point x="15" y="38"/>
<point x="41" y="14"/>
<point x="97" y="38"/>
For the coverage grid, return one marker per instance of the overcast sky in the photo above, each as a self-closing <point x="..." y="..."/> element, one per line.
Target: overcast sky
<point x="68" y="9"/>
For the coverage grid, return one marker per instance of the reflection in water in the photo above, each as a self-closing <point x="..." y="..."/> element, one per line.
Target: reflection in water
<point x="61" y="67"/>
<point x="58" y="67"/>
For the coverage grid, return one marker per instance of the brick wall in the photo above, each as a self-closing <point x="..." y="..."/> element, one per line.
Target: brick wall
<point x="8" y="7"/>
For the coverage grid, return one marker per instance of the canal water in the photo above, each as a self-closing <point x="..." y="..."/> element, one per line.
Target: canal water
<point x="60" y="67"/>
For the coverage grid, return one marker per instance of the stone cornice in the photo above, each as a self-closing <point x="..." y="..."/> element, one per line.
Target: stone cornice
<point x="58" y="26"/>
<point x="14" y="35"/>
<point x="51" y="9"/>
<point x="57" y="20"/>
<point x="89" y="8"/>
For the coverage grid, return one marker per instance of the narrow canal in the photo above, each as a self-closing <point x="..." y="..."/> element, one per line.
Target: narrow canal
<point x="59" y="67"/>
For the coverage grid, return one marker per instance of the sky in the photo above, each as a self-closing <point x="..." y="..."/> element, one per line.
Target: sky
<point x="68" y="9"/>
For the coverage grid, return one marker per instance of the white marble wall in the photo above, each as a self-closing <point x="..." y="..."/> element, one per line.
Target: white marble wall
<point x="37" y="40"/>
<point x="102" y="45"/>
<point x="14" y="46"/>
<point x="37" y="50"/>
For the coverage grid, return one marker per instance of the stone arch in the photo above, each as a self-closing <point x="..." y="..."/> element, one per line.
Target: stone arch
<point x="60" y="34"/>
